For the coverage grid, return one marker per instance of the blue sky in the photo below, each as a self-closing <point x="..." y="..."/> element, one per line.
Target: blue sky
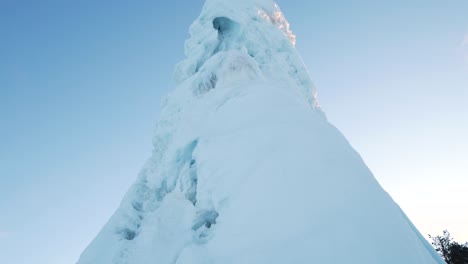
<point x="81" y="81"/>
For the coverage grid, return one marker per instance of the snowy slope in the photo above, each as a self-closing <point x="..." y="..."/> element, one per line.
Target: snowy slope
<point x="246" y="168"/>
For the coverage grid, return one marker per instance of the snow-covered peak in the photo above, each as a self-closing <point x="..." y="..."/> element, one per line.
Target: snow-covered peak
<point x="255" y="35"/>
<point x="246" y="11"/>
<point x="245" y="169"/>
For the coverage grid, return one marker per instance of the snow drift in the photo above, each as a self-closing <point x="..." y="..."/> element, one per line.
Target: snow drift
<point x="246" y="168"/>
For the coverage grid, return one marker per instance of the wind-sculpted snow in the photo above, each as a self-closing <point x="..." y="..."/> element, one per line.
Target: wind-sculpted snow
<point x="277" y="18"/>
<point x="246" y="168"/>
<point x="255" y="29"/>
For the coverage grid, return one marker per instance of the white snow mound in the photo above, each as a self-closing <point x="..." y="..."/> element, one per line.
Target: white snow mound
<point x="246" y="168"/>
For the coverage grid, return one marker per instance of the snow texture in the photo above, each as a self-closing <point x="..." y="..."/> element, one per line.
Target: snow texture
<point x="245" y="166"/>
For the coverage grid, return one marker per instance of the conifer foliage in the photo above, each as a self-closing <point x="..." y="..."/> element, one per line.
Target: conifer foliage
<point x="451" y="251"/>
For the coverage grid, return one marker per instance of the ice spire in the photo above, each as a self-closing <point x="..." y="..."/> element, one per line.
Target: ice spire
<point x="254" y="32"/>
<point x="245" y="169"/>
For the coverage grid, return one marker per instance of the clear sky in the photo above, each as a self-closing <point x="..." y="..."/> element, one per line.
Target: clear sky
<point x="81" y="81"/>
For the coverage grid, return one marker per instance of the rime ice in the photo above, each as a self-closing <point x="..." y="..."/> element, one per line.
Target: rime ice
<point x="245" y="166"/>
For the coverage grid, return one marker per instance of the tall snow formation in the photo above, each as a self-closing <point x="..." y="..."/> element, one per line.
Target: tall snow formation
<point x="245" y="166"/>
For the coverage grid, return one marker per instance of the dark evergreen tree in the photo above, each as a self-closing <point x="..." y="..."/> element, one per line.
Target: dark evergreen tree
<point x="451" y="251"/>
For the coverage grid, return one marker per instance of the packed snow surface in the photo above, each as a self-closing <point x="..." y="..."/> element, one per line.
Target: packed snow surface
<point x="246" y="168"/>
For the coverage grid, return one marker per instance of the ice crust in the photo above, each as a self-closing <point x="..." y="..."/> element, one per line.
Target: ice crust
<point x="245" y="166"/>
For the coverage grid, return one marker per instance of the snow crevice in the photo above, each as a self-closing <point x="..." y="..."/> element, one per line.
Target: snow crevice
<point x="227" y="28"/>
<point x="188" y="177"/>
